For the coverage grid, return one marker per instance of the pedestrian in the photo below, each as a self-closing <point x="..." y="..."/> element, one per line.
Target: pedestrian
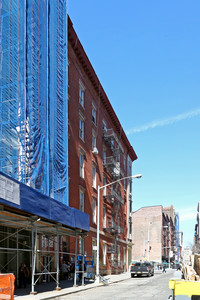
<point x="64" y="269"/>
<point x="164" y="269"/>
<point x="68" y="269"/>
<point x="23" y="275"/>
<point x="72" y="270"/>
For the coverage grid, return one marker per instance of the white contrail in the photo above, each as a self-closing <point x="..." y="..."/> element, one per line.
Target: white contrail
<point x="168" y="121"/>
<point x="187" y="213"/>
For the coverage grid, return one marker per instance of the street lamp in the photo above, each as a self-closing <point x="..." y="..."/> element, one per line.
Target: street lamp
<point x="98" y="214"/>
<point x="148" y="239"/>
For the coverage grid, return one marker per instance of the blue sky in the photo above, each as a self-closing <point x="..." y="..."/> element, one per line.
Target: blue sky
<point x="147" y="57"/>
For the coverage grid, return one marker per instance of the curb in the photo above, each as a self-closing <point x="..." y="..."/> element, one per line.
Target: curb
<point x="83" y="289"/>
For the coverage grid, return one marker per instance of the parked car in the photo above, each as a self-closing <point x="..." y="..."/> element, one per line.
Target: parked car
<point x="142" y="268"/>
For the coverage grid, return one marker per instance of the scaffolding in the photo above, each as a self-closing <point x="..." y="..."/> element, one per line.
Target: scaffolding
<point x="22" y="238"/>
<point x="33" y="94"/>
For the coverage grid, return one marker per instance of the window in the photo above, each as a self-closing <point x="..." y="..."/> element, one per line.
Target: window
<point x="112" y="254"/>
<point x="94" y="139"/>
<point x="119" y="255"/>
<point x="112" y="145"/>
<point x="94" y="210"/>
<point x="94" y="180"/>
<point x="130" y="227"/>
<point x="124" y="162"/>
<point x="124" y="256"/>
<point x="104" y="253"/>
<point x="81" y="200"/>
<point x="81" y="127"/>
<point x="81" y="164"/>
<point x="104" y="183"/>
<point x="104" y="126"/>
<point x="94" y="115"/>
<point x="94" y="252"/>
<point x="104" y="216"/>
<point x="81" y="94"/>
<point x="104" y="155"/>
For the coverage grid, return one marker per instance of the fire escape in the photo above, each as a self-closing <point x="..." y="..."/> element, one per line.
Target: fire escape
<point x="112" y="196"/>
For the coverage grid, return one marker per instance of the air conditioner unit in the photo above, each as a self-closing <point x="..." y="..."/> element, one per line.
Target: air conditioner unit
<point x="95" y="151"/>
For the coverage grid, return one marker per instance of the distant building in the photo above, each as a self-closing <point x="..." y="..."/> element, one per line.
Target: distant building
<point x="196" y="247"/>
<point x="154" y="234"/>
<point x="147" y="233"/>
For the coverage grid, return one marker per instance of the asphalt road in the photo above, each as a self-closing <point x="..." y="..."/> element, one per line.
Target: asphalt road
<point x="142" y="288"/>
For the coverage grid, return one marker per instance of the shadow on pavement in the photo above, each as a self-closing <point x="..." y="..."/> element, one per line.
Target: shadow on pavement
<point x="48" y="286"/>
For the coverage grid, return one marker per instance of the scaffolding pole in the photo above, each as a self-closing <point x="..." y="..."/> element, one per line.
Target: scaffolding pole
<point x="57" y="263"/>
<point x="75" y="273"/>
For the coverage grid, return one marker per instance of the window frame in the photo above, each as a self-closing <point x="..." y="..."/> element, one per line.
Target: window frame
<point x="94" y="245"/>
<point x="94" y="175"/>
<point x="104" y="183"/>
<point x="81" y="164"/>
<point x="104" y="216"/>
<point x="81" y="199"/>
<point x="94" y="114"/>
<point x="104" y="155"/>
<point x="81" y="127"/>
<point x="104" y="253"/>
<point x="119" y="254"/>
<point x="94" y="210"/>
<point x="94" y="140"/>
<point x="81" y="94"/>
<point x="104" y="127"/>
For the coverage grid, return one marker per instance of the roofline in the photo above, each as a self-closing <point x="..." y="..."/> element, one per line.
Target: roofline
<point x="87" y="66"/>
<point x="147" y="207"/>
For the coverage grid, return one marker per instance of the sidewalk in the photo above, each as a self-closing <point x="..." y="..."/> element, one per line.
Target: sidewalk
<point x="67" y="287"/>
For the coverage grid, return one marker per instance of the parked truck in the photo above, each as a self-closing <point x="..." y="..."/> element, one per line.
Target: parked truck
<point x="142" y="268"/>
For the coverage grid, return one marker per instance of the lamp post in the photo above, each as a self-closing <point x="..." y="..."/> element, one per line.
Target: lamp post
<point x="98" y="217"/>
<point x="149" y="240"/>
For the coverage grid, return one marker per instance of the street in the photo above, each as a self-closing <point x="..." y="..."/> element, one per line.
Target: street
<point x="142" y="288"/>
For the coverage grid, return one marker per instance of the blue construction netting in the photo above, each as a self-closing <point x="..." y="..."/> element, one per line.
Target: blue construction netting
<point x="33" y="94"/>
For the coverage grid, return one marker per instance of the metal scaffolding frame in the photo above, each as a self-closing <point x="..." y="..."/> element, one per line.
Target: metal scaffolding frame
<point x="17" y="222"/>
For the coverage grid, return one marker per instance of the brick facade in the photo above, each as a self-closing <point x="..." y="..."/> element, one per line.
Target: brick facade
<point x="153" y="234"/>
<point x="97" y="139"/>
<point x="147" y="233"/>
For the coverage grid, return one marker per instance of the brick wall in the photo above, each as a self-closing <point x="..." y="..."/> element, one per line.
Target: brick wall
<point x="147" y="225"/>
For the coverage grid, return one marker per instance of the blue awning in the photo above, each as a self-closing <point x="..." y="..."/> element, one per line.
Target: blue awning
<point x="25" y="198"/>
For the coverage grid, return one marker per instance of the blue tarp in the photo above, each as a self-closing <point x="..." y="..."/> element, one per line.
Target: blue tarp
<point x="33" y="94"/>
<point x="36" y="203"/>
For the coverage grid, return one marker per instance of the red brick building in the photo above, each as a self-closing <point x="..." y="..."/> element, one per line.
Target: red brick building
<point x="169" y="234"/>
<point x="99" y="153"/>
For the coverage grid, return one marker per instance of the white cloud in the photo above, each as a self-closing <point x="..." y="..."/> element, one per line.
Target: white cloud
<point x="164" y="122"/>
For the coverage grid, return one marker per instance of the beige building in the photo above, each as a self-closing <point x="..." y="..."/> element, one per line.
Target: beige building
<point x="147" y="233"/>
